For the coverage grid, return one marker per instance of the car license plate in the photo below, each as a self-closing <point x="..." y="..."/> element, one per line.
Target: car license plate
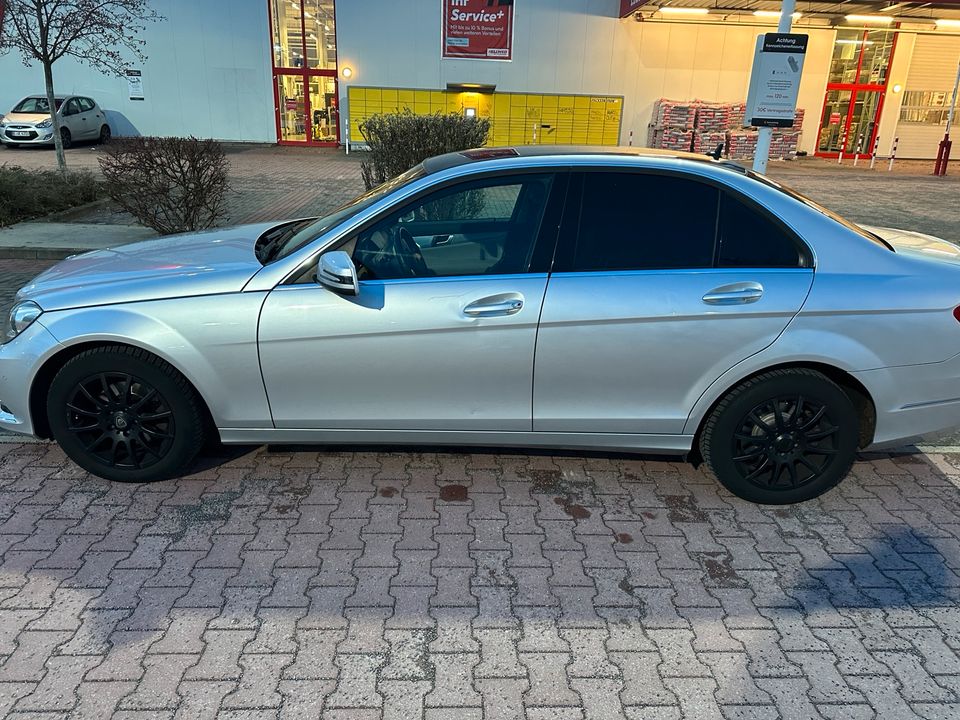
<point x="19" y="133"/>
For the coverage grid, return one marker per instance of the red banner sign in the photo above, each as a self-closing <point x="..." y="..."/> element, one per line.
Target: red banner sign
<point x="478" y="29"/>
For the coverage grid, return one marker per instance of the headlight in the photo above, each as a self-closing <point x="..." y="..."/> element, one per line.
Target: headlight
<point x="45" y="123"/>
<point x="21" y="316"/>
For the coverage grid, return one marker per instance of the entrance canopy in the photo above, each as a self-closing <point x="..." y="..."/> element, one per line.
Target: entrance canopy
<point x="913" y="12"/>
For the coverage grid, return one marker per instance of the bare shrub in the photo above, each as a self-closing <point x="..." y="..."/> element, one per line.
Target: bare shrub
<point x="169" y="184"/>
<point x="398" y="141"/>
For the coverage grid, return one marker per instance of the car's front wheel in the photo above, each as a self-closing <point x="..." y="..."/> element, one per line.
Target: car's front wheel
<point x="66" y="138"/>
<point x="124" y="414"/>
<point x="782" y="437"/>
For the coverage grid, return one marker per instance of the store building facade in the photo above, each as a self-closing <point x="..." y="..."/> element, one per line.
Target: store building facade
<point x="307" y="72"/>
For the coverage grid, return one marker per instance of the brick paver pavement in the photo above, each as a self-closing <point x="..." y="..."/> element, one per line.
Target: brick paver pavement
<point x="289" y="584"/>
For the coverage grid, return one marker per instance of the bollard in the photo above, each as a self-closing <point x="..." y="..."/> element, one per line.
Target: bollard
<point x="873" y="155"/>
<point x="843" y="146"/>
<point x="856" y="155"/>
<point x="893" y="153"/>
<point x="630" y="142"/>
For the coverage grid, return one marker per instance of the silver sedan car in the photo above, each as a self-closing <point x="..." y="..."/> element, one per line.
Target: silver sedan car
<point x="29" y="123"/>
<point x="583" y="299"/>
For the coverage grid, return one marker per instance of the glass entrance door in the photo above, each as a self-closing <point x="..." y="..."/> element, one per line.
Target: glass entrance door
<point x="850" y="122"/>
<point x="303" y="35"/>
<point x="855" y="91"/>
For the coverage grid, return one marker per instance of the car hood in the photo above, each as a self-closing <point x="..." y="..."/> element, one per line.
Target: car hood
<point x="26" y="118"/>
<point x="914" y="243"/>
<point x="204" y="263"/>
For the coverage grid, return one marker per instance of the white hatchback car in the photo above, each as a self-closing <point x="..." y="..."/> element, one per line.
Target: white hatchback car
<point x="29" y="123"/>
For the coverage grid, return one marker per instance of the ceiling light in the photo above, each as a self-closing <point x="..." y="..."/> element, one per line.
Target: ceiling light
<point x="774" y="14"/>
<point x="683" y="10"/>
<point x="346" y="72"/>
<point x="947" y="23"/>
<point x="881" y="19"/>
<point x="844" y="41"/>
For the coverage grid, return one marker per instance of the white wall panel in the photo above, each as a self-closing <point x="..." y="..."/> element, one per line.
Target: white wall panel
<point x="207" y="74"/>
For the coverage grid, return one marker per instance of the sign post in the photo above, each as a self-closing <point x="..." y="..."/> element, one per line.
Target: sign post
<point x="775" y="82"/>
<point x="478" y="29"/>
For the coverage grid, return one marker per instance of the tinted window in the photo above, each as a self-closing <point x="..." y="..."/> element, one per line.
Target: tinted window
<point x="72" y="108"/>
<point x="632" y="221"/>
<point x="750" y="239"/>
<point x="86" y="104"/>
<point x="485" y="227"/>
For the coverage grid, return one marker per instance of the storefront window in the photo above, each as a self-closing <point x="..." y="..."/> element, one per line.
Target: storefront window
<point x="928" y="107"/>
<point x="846" y="56"/>
<point x="287" y="34"/>
<point x="876" y="57"/>
<point x="321" y="37"/>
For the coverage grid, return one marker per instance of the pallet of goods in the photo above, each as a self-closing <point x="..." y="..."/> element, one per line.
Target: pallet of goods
<point x="706" y="142"/>
<point x="674" y="114"/>
<point x="713" y="117"/>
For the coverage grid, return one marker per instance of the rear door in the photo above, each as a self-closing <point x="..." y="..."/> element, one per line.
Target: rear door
<point x="662" y="282"/>
<point x="91" y="118"/>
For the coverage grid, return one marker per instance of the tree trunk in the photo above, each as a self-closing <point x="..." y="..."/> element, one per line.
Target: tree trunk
<point x="57" y="138"/>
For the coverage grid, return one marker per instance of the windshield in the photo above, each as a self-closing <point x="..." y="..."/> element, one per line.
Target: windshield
<point x="876" y="239"/>
<point x="35" y="105"/>
<point x="318" y="227"/>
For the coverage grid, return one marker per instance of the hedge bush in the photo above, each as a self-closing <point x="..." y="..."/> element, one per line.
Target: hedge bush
<point x="26" y="194"/>
<point x="398" y="141"/>
<point x="169" y="184"/>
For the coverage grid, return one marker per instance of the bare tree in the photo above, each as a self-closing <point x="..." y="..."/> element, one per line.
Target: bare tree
<point x="95" y="32"/>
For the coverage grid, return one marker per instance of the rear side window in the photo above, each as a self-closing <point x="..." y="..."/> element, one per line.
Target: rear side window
<point x="631" y="221"/>
<point x="86" y="104"/>
<point x="748" y="238"/>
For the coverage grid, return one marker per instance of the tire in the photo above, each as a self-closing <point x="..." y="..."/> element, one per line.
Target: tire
<point x="67" y="138"/>
<point x="782" y="437"/>
<point x="126" y="415"/>
<point x="105" y="135"/>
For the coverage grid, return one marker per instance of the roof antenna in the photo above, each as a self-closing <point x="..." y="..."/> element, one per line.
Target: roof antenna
<point x="717" y="152"/>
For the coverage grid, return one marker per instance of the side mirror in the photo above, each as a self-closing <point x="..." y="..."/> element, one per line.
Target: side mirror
<point x="335" y="270"/>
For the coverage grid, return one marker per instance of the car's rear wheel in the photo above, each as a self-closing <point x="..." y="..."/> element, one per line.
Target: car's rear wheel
<point x="105" y="134"/>
<point x="124" y="414"/>
<point x="782" y="437"/>
<point x="66" y="137"/>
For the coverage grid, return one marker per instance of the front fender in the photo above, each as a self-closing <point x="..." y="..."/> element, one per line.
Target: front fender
<point x="212" y="340"/>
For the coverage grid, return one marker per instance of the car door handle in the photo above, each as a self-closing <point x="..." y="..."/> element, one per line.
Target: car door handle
<point x="735" y="294"/>
<point x="492" y="308"/>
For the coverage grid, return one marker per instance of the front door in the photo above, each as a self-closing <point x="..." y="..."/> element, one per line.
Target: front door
<point x="442" y="333"/>
<point x="665" y="283"/>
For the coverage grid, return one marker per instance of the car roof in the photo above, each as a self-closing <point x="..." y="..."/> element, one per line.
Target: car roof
<point x="561" y="152"/>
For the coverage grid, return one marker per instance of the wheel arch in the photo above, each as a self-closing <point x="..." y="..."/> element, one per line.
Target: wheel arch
<point x="40" y="384"/>
<point x="855" y="390"/>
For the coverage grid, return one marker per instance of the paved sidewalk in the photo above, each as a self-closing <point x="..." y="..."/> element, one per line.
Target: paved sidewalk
<point x="56" y="240"/>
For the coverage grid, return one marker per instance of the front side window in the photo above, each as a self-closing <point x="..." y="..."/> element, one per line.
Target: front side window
<point x="485" y="227"/>
<point x="749" y="239"/>
<point x="634" y="221"/>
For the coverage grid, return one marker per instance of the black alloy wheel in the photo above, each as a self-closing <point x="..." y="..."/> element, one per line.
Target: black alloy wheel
<point x="124" y="414"/>
<point x="105" y="135"/>
<point x="784" y="436"/>
<point x="121" y="420"/>
<point x="785" y="442"/>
